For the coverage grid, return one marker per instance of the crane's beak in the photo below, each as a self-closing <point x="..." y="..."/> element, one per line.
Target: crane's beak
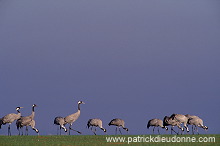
<point x="21" y="107"/>
<point x="83" y="102"/>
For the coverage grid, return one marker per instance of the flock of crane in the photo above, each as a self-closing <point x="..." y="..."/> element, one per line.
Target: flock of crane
<point x="173" y="120"/>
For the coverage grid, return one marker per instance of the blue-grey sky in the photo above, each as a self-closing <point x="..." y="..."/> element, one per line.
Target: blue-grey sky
<point x="134" y="60"/>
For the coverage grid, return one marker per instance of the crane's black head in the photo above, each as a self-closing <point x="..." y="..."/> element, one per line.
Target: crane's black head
<point x="103" y="129"/>
<point x="34" y="105"/>
<point x="17" y="108"/>
<point x="166" y="128"/>
<point x="205" y="127"/>
<point x="125" y="129"/>
<point x="81" y="102"/>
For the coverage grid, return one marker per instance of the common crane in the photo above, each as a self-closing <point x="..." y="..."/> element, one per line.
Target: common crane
<point x="26" y="121"/>
<point x="190" y="117"/>
<point x="168" y="121"/>
<point x="10" y="118"/>
<point x="96" y="123"/>
<point x="197" y="122"/>
<point x="156" y="123"/>
<point x="118" y="123"/>
<point x="73" y="117"/>
<point x="60" y="121"/>
<point x="181" y="119"/>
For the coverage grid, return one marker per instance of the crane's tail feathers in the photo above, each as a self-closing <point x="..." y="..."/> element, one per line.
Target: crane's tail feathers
<point x="88" y="125"/>
<point x="148" y="125"/>
<point x="1" y="122"/>
<point x="18" y="125"/>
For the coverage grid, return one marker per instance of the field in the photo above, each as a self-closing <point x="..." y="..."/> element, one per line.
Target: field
<point x="101" y="140"/>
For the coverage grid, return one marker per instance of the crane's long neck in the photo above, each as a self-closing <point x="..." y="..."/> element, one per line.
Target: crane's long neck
<point x="33" y="113"/>
<point x="78" y="112"/>
<point x="78" y="107"/>
<point x="19" y="114"/>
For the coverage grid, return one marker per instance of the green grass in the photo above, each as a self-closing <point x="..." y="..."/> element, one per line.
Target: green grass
<point x="78" y="140"/>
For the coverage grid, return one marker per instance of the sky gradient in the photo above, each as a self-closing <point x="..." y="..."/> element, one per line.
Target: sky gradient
<point x="134" y="60"/>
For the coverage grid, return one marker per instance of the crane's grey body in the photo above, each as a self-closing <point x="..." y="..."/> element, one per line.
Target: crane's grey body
<point x="10" y="118"/>
<point x="96" y="123"/>
<point x="61" y="122"/>
<point x="73" y="117"/>
<point x="168" y="121"/>
<point x="182" y="119"/>
<point x="190" y="117"/>
<point x="32" y="124"/>
<point x="27" y="121"/>
<point x="156" y="123"/>
<point x="118" y="123"/>
<point x="197" y="122"/>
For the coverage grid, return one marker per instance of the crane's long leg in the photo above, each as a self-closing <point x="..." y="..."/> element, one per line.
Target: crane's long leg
<point x="153" y="129"/>
<point x="91" y="129"/>
<point x="167" y="130"/>
<point x="187" y="129"/>
<point x="9" y="131"/>
<point x="197" y="129"/>
<point x="116" y="130"/>
<point x="179" y="131"/>
<point x="73" y="130"/>
<point x="119" y="130"/>
<point x="26" y="130"/>
<point x="94" y="131"/>
<point x="76" y="131"/>
<point x="173" y="131"/>
<point x="69" y="129"/>
<point x="158" y="130"/>
<point x="182" y="129"/>
<point x="192" y="130"/>
<point x="22" y="131"/>
<point x="19" y="130"/>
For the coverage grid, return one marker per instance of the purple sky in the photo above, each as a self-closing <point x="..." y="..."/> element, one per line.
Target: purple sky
<point x="134" y="60"/>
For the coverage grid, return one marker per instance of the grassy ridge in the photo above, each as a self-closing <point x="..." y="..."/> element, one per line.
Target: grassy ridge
<point x="95" y="140"/>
